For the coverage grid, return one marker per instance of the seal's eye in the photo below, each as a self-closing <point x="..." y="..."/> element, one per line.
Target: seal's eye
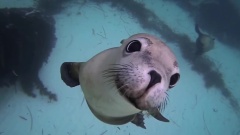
<point x="173" y="80"/>
<point x="133" y="46"/>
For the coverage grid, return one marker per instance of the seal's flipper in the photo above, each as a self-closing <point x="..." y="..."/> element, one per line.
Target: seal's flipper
<point x="157" y="115"/>
<point x="204" y="42"/>
<point x="69" y="73"/>
<point x="139" y="120"/>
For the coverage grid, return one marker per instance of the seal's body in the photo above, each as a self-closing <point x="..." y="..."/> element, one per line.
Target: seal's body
<point x="121" y="82"/>
<point x="204" y="42"/>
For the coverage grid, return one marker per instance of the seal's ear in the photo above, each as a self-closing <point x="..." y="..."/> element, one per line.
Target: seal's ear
<point x="69" y="73"/>
<point x="122" y="41"/>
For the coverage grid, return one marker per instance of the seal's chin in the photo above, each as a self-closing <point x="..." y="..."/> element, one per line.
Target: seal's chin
<point x="140" y="105"/>
<point x="147" y="99"/>
<point x="143" y="102"/>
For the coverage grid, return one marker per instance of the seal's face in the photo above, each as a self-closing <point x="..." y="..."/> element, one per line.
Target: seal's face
<point x="146" y="70"/>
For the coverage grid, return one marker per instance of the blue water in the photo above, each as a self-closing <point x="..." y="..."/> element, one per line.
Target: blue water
<point x="192" y="109"/>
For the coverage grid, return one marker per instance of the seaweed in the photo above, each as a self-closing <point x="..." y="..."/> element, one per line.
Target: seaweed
<point x="205" y="125"/>
<point x="31" y="118"/>
<point x="104" y="33"/>
<point x="103" y="132"/>
<point x="23" y="118"/>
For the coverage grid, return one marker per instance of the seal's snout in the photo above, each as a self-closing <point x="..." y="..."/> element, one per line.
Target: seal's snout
<point x="155" y="78"/>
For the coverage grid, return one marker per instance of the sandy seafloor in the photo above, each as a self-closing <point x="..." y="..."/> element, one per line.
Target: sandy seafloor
<point x="192" y="108"/>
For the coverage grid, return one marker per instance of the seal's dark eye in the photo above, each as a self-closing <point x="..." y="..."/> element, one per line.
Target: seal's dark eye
<point x="173" y="80"/>
<point x="133" y="46"/>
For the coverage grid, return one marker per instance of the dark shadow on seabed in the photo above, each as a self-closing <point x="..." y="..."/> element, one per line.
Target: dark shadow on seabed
<point x="27" y="37"/>
<point x="202" y="65"/>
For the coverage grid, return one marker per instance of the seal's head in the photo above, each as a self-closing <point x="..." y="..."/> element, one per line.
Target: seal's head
<point x="145" y="71"/>
<point x="140" y="72"/>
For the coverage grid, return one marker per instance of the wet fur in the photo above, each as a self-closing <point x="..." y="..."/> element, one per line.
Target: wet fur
<point x="112" y="78"/>
<point x="124" y="77"/>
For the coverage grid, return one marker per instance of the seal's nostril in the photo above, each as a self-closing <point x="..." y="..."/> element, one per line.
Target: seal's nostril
<point x="155" y="78"/>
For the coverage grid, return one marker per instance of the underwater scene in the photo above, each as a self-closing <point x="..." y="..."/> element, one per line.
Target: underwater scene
<point x="119" y="67"/>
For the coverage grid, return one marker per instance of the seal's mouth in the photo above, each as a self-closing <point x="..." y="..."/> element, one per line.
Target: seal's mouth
<point x="154" y="79"/>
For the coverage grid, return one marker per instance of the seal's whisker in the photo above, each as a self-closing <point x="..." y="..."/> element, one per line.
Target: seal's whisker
<point x="125" y="94"/>
<point x="113" y="76"/>
<point x="123" y="65"/>
<point x="165" y="104"/>
<point x="118" y="69"/>
<point x="110" y="82"/>
<point x="116" y="72"/>
<point x="121" y="68"/>
<point x="162" y="105"/>
<point x="111" y="73"/>
<point x="120" y="89"/>
<point x="166" y="96"/>
<point x="109" y="76"/>
<point x="159" y="107"/>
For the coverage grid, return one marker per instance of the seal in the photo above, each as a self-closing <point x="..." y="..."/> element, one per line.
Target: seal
<point x="204" y="42"/>
<point x="121" y="83"/>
